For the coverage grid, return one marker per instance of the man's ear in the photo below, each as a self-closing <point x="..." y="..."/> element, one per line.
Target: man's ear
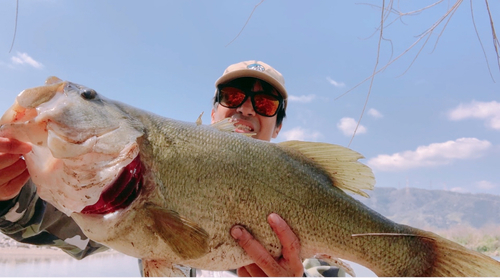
<point x="277" y="131"/>
<point x="212" y="115"/>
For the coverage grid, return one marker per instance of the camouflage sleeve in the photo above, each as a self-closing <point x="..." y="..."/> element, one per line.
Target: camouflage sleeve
<point x="29" y="219"/>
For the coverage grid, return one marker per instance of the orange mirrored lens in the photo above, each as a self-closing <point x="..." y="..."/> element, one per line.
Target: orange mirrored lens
<point x="265" y="104"/>
<point x="231" y="97"/>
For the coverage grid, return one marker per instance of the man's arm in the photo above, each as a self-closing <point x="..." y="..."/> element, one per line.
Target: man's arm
<point x="27" y="218"/>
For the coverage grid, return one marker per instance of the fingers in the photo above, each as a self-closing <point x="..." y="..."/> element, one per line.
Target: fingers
<point x="12" y="177"/>
<point x="11" y="172"/>
<point x="7" y="159"/>
<point x="251" y="270"/>
<point x="289" y="241"/>
<point x="13" y="146"/>
<point x="290" y="264"/>
<point x="242" y="272"/>
<point x="12" y="188"/>
<point x="256" y="252"/>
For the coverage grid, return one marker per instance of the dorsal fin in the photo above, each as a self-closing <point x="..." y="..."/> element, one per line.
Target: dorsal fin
<point x="199" y="121"/>
<point x="341" y="164"/>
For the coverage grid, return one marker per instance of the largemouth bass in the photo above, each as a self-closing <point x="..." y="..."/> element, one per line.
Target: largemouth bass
<point x="168" y="192"/>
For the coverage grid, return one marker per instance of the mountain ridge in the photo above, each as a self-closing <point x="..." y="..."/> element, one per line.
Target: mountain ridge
<point x="423" y="208"/>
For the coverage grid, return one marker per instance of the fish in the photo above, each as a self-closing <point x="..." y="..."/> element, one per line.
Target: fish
<point x="168" y="191"/>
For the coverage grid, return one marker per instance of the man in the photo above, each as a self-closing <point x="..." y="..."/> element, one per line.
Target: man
<point x="254" y="96"/>
<point x="251" y="93"/>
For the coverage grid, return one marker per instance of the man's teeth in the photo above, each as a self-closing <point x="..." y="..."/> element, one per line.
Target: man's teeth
<point x="243" y="127"/>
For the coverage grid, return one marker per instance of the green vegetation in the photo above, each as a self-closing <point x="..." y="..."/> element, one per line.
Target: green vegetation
<point x="485" y="240"/>
<point x="468" y="219"/>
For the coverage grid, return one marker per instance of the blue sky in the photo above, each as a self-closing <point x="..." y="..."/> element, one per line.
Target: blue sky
<point x="435" y="125"/>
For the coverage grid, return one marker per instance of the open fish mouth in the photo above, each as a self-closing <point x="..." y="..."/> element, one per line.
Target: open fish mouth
<point x="85" y="151"/>
<point x="121" y="192"/>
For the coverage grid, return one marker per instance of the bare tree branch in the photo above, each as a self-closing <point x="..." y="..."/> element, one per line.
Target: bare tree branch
<point x="496" y="44"/>
<point x="449" y="14"/>
<point x="245" y="23"/>
<point x="15" y="26"/>
<point x="373" y="75"/>
<point x="426" y="34"/>
<point x="385" y="11"/>
<point x="480" y="41"/>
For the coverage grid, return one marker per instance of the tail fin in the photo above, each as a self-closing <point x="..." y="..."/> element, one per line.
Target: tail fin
<point x="453" y="259"/>
<point x="443" y="258"/>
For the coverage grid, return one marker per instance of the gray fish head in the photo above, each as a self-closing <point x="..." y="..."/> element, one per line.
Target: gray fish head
<point x="80" y="139"/>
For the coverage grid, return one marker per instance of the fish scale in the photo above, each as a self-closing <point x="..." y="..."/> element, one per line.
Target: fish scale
<point x="199" y="181"/>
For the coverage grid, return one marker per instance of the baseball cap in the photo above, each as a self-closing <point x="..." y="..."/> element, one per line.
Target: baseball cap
<point x="255" y="69"/>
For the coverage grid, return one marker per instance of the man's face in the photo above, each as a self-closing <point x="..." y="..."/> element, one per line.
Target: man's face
<point x="246" y="120"/>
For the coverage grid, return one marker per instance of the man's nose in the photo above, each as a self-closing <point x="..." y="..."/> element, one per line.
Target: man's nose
<point x="246" y="109"/>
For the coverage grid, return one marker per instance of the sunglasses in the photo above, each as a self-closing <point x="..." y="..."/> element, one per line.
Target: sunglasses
<point x="264" y="103"/>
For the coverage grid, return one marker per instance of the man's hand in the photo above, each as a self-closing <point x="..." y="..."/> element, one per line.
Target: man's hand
<point x="13" y="172"/>
<point x="289" y="264"/>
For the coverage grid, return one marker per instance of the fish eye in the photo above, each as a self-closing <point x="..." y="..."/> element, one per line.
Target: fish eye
<point x="88" y="94"/>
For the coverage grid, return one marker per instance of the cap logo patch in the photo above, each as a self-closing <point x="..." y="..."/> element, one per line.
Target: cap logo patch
<point x="256" y="67"/>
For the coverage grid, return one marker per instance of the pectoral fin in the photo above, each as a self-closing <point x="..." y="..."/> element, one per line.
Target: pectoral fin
<point x="186" y="238"/>
<point x="159" y="268"/>
<point x="341" y="164"/>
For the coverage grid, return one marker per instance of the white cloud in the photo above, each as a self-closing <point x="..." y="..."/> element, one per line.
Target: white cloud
<point x="488" y="111"/>
<point x="335" y="83"/>
<point x="303" y="99"/>
<point x="24" y="58"/>
<point x="375" y="113"/>
<point x="347" y="126"/>
<point x="298" y="133"/>
<point x="432" y="155"/>
<point x="486" y="185"/>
